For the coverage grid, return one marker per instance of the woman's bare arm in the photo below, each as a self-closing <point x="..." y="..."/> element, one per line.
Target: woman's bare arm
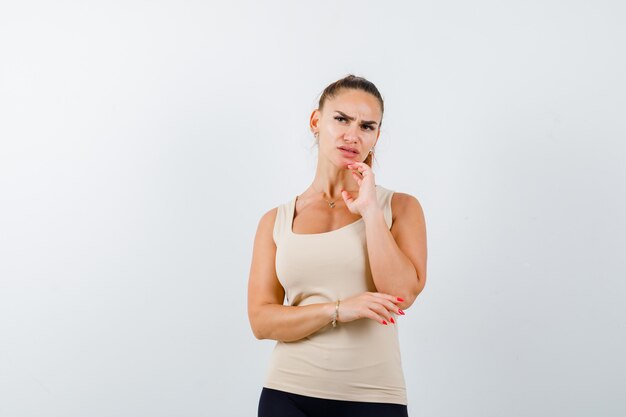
<point x="398" y="255"/>
<point x="268" y="317"/>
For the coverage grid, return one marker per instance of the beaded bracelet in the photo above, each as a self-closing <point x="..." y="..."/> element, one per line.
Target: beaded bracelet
<point x="336" y="314"/>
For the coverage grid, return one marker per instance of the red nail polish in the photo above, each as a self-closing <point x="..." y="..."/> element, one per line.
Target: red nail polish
<point x="400" y="311"/>
<point x="400" y="299"/>
<point x="391" y="319"/>
<point x="384" y="322"/>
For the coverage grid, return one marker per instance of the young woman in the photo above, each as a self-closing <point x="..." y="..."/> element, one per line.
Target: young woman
<point x="349" y="256"/>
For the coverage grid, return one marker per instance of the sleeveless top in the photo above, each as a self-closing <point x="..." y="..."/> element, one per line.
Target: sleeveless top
<point x="355" y="361"/>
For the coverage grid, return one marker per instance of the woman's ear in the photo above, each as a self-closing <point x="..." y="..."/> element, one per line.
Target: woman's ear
<point x="314" y="119"/>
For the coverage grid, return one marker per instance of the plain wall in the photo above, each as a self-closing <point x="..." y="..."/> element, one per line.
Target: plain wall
<point x="141" y="142"/>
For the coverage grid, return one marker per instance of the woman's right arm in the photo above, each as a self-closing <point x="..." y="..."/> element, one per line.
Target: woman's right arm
<point x="270" y="319"/>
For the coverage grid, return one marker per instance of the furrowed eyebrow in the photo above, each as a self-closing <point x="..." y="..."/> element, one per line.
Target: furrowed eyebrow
<point x="365" y="122"/>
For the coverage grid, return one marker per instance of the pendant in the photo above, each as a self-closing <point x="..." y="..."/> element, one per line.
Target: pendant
<point x="331" y="204"/>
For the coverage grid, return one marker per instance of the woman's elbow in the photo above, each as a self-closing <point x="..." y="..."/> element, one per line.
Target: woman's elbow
<point x="255" y="326"/>
<point x="257" y="333"/>
<point x="410" y="297"/>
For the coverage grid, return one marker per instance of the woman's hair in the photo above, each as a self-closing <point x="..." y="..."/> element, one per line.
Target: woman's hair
<point x="356" y="83"/>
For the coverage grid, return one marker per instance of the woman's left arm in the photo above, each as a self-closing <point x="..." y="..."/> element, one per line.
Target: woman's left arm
<point x="398" y="256"/>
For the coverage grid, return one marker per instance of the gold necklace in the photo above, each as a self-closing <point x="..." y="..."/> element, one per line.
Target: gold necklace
<point x="331" y="204"/>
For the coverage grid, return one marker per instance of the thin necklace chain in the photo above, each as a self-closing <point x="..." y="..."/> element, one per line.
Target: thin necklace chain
<point x="331" y="204"/>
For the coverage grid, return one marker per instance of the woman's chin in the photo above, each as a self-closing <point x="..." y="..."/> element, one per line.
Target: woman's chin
<point x="345" y="162"/>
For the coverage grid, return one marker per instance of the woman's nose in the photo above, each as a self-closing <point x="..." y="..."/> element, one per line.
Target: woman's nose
<point x="352" y="134"/>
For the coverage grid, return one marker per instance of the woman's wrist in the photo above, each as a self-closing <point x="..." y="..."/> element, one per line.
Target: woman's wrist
<point x="329" y="312"/>
<point x="336" y="313"/>
<point x="373" y="213"/>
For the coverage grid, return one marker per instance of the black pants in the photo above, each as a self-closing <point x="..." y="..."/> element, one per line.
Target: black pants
<point x="275" y="403"/>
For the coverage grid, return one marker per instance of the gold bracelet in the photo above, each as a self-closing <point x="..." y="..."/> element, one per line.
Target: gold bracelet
<point x="336" y="315"/>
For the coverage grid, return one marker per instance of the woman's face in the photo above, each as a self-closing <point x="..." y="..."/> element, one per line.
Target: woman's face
<point x="349" y="120"/>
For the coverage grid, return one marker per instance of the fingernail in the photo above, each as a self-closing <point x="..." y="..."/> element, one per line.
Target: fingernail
<point x="400" y="299"/>
<point x="384" y="322"/>
<point x="400" y="311"/>
<point x="391" y="319"/>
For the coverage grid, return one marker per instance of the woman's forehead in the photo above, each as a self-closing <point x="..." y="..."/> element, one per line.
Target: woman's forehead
<point x="355" y="103"/>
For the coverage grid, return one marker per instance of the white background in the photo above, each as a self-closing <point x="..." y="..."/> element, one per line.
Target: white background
<point x="141" y="141"/>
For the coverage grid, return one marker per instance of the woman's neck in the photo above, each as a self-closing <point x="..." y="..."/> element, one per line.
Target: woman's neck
<point x="331" y="184"/>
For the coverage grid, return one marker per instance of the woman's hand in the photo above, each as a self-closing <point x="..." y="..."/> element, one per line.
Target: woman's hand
<point x="372" y="305"/>
<point x="366" y="201"/>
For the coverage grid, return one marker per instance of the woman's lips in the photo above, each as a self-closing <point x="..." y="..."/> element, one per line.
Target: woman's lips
<point x="349" y="154"/>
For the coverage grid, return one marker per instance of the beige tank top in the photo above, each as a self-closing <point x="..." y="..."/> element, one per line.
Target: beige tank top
<point x="355" y="361"/>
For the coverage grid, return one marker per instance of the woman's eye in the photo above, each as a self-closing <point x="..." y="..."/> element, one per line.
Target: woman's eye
<point x="343" y="118"/>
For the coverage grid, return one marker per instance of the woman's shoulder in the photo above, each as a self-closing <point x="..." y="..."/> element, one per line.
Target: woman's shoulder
<point x="268" y="219"/>
<point x="402" y="202"/>
<point x="270" y="215"/>
<point x="399" y="196"/>
<point x="266" y="226"/>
